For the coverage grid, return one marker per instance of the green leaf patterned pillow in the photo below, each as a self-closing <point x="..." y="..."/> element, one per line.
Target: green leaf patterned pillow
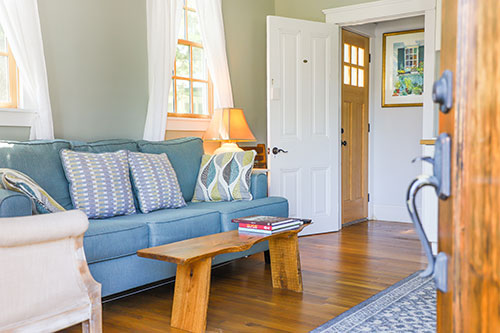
<point x="225" y="177"/>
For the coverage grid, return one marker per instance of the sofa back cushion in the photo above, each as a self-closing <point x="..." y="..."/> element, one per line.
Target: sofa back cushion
<point x="184" y="154"/>
<point x="105" y="146"/>
<point x="40" y="161"/>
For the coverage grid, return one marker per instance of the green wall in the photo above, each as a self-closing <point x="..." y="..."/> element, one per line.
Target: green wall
<point x="14" y="133"/>
<point x="96" y="59"/>
<point x="245" y="26"/>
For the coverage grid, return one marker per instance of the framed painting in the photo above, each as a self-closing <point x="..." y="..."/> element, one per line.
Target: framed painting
<point x="403" y="68"/>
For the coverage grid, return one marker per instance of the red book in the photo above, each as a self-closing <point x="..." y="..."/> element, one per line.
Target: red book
<point x="263" y="220"/>
<point x="255" y="226"/>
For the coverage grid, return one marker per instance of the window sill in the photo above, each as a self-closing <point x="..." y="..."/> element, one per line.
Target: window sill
<point x="187" y="124"/>
<point x="16" y="117"/>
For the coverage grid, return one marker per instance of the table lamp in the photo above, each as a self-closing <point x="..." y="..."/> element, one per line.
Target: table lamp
<point x="228" y="125"/>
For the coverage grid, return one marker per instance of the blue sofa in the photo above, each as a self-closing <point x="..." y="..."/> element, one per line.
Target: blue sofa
<point x="111" y="244"/>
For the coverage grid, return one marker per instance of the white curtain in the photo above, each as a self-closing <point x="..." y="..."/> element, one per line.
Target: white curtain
<point x="21" y="24"/>
<point x="163" y="20"/>
<point x="214" y="43"/>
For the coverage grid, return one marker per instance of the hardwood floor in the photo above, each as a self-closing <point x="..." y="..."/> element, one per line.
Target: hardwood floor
<point x="339" y="270"/>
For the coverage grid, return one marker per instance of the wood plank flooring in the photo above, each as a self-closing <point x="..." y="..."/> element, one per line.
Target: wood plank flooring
<point x="339" y="271"/>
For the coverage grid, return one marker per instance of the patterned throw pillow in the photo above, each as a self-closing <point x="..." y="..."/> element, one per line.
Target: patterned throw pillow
<point x="17" y="181"/>
<point x="99" y="184"/>
<point x="225" y="177"/>
<point x="155" y="182"/>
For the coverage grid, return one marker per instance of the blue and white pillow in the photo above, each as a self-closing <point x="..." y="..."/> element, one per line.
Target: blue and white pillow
<point x="99" y="184"/>
<point x="17" y="181"/>
<point x="155" y="182"/>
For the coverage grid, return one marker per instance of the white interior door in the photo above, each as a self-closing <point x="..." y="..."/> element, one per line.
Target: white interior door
<point x="303" y="119"/>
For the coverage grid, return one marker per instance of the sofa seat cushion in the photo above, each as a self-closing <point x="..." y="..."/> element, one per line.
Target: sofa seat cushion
<point x="115" y="237"/>
<point x="173" y="225"/>
<point x="272" y="206"/>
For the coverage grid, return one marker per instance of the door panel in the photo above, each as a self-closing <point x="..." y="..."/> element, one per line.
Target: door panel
<point x="469" y="228"/>
<point x="355" y="75"/>
<point x="320" y="71"/>
<point x="290" y="71"/>
<point x="291" y="189"/>
<point x="303" y="119"/>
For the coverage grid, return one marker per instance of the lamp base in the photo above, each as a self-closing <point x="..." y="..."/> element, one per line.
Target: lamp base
<point x="227" y="147"/>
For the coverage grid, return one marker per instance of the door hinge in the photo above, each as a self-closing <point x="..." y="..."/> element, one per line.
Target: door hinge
<point x="369" y="127"/>
<point x="370" y="57"/>
<point x="368" y="197"/>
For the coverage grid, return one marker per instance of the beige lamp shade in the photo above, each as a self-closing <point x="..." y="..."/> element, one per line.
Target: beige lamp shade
<point x="229" y="125"/>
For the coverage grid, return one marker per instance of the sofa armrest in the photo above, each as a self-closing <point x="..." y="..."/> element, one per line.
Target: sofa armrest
<point x="258" y="185"/>
<point x="45" y="281"/>
<point x="22" y="231"/>
<point x="14" y="204"/>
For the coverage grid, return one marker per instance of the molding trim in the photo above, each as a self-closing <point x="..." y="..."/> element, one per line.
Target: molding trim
<point x="16" y="118"/>
<point x="377" y="11"/>
<point x="187" y="124"/>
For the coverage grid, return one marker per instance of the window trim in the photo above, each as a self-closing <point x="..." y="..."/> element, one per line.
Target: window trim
<point x="13" y="81"/>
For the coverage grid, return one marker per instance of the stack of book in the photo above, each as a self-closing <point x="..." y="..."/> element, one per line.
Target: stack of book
<point x="267" y="224"/>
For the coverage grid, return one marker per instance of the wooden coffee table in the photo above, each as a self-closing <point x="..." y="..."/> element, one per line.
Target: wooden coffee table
<point x="194" y="261"/>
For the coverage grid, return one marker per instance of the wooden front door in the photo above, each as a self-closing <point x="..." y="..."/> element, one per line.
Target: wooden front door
<point x="469" y="221"/>
<point x="354" y="137"/>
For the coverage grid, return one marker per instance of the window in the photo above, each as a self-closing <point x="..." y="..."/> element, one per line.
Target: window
<point x="411" y="58"/>
<point x="354" y="61"/>
<point x="8" y="75"/>
<point x="191" y="94"/>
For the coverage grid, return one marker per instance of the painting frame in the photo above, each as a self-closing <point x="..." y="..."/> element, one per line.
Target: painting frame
<point x="389" y="72"/>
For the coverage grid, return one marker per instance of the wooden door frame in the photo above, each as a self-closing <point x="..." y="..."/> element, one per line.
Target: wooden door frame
<point x="384" y="10"/>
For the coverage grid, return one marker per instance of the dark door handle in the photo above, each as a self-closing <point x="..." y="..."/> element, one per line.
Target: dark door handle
<point x="442" y="91"/>
<point x="343" y="143"/>
<point x="440" y="180"/>
<point x="277" y="150"/>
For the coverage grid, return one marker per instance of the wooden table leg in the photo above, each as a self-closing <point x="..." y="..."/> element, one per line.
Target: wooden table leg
<point x="192" y="287"/>
<point x="285" y="262"/>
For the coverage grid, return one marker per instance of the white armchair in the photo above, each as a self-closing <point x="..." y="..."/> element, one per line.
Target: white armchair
<point x="45" y="283"/>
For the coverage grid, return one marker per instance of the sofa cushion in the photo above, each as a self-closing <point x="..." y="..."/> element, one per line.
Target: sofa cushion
<point x="272" y="206"/>
<point x="155" y="182"/>
<point x="41" y="162"/>
<point x="184" y="154"/>
<point x="225" y="177"/>
<point x="105" y="146"/>
<point x="258" y="185"/>
<point x="17" y="181"/>
<point x="14" y="204"/>
<point x="99" y="183"/>
<point x="173" y="225"/>
<point x="115" y="237"/>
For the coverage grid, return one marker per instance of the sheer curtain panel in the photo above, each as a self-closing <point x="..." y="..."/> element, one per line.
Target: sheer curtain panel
<point x="214" y="42"/>
<point x="163" y="19"/>
<point x="21" y="23"/>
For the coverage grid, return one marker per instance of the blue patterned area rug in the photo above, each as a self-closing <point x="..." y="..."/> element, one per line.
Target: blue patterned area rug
<point x="407" y="306"/>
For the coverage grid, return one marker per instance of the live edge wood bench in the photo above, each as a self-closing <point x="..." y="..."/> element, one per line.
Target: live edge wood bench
<point x="194" y="261"/>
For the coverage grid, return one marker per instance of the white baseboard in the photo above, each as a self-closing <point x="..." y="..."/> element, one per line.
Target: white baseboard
<point x="390" y="213"/>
